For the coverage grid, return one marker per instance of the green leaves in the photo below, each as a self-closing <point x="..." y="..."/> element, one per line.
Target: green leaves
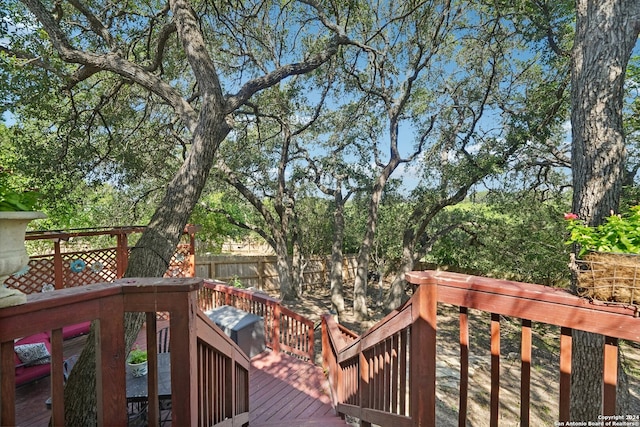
<point x="12" y="199"/>
<point x="619" y="233"/>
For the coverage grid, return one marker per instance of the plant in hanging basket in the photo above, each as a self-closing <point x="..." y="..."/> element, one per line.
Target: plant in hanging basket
<point x="608" y="268"/>
<point x="609" y="277"/>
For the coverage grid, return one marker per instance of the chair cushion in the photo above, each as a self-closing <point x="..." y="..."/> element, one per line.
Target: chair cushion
<point x="28" y="373"/>
<point x="33" y="353"/>
<point x="72" y="331"/>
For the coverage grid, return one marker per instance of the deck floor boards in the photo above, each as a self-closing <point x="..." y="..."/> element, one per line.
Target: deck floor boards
<point x="285" y="391"/>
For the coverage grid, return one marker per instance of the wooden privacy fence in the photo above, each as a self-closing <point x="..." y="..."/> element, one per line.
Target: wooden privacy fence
<point x="260" y="272"/>
<point x="284" y="330"/>
<point x="63" y="268"/>
<point x="209" y="372"/>
<point x="387" y="376"/>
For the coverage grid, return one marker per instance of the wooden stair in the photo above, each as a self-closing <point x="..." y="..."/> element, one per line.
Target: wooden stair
<point x="285" y="391"/>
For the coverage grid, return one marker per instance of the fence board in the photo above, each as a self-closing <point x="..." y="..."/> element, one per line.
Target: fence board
<point x="260" y="271"/>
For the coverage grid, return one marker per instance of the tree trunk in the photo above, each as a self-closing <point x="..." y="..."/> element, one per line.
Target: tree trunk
<point x="397" y="293"/>
<point x="360" y="310"/>
<point x="606" y="32"/>
<point x="298" y="265"/>
<point x="150" y="258"/>
<point x="283" y="266"/>
<point x="337" y="288"/>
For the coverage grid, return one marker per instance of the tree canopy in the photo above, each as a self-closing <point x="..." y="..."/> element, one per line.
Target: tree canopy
<point x="293" y="120"/>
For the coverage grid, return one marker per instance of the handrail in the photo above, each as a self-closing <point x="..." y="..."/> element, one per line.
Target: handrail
<point x="94" y="231"/>
<point x="228" y="364"/>
<point x="387" y="375"/>
<point x="285" y="330"/>
<point x="194" y="342"/>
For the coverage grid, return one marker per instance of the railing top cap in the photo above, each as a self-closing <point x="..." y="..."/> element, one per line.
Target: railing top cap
<point x="159" y="284"/>
<point x="255" y="294"/>
<point x="64" y="297"/>
<point x="521" y="290"/>
<point x="95" y="231"/>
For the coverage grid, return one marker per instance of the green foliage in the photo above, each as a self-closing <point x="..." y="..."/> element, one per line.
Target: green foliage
<point x="315" y="225"/>
<point x="236" y="282"/>
<point x="211" y="215"/>
<point x="137" y="356"/>
<point x="499" y="238"/>
<point x="618" y="233"/>
<point x="12" y="199"/>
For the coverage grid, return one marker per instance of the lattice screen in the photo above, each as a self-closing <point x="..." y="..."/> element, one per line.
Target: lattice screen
<point x="86" y="267"/>
<point x="38" y="273"/>
<point x="181" y="262"/>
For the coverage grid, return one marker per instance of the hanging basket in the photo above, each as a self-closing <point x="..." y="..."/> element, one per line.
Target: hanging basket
<point x="609" y="277"/>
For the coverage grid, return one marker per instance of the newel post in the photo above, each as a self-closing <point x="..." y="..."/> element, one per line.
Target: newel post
<point x="110" y="363"/>
<point x="178" y="296"/>
<point x="191" y="230"/>
<point x="331" y="365"/>
<point x="327" y="359"/>
<point x="58" y="265"/>
<point x="184" y="350"/>
<point x="122" y="253"/>
<point x="422" y="380"/>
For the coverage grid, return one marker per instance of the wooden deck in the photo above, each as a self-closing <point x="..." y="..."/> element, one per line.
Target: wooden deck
<point x="31" y="397"/>
<point x="284" y="391"/>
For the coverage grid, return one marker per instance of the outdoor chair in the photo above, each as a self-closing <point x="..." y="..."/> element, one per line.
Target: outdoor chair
<point x="137" y="414"/>
<point x="163" y="347"/>
<point x="163" y="340"/>
<point x="138" y="411"/>
<point x="67" y="365"/>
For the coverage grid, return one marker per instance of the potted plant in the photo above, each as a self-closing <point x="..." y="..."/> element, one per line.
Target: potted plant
<point x="608" y="261"/>
<point x="137" y="362"/>
<point x="17" y="209"/>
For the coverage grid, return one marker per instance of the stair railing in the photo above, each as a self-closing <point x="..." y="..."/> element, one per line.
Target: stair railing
<point x="387" y="376"/>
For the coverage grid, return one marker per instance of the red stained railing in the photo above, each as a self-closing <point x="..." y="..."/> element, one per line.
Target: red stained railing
<point x="284" y="330"/>
<point x="209" y="372"/>
<point x="387" y="376"/>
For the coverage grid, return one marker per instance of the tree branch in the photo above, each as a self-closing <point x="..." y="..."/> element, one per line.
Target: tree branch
<point x="281" y="73"/>
<point x="29" y="59"/>
<point x="196" y="51"/>
<point x="230" y="177"/>
<point x="112" y="62"/>
<point x="240" y="224"/>
<point x="98" y="27"/>
<point x="165" y="32"/>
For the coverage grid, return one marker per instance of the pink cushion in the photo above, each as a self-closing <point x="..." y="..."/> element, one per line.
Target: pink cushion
<point x="28" y="373"/>
<point x="75" y="330"/>
<point x="41" y="337"/>
<point x="31" y="373"/>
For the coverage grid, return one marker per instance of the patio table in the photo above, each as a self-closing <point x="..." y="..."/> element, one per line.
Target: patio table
<point x="138" y="394"/>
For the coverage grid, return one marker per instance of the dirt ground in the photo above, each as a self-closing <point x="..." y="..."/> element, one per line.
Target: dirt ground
<point x="544" y="371"/>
